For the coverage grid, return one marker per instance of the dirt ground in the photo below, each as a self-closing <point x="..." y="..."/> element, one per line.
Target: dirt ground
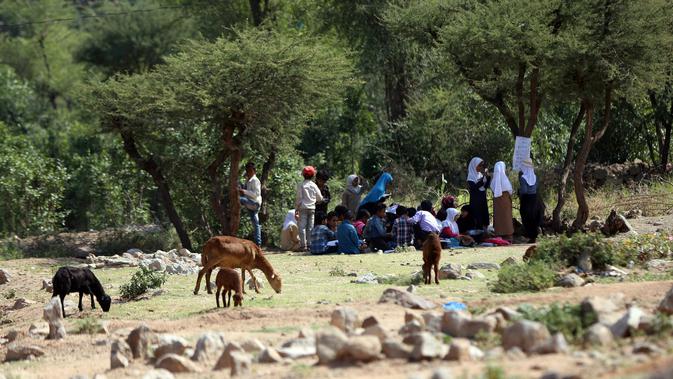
<point x="308" y="298"/>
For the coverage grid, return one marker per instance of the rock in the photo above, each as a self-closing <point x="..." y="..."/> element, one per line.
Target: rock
<point x="226" y="359"/>
<point x="584" y="262"/>
<point x="646" y="348"/>
<point x="118" y="360"/>
<point x="628" y="322"/>
<point x="526" y="335"/>
<point x="411" y="316"/>
<point x="411" y="327"/>
<point x="442" y="373"/>
<point x="666" y="305"/>
<point x="156" y="265"/>
<point x="368" y="278"/>
<point x="99" y="376"/>
<point x="5" y="276"/>
<point x="17" y="352"/>
<point x="394" y="349"/>
<point x="362" y="349"/>
<point x="269" y="355"/>
<point x="369" y="321"/>
<point x="458" y="324"/>
<point x="616" y="223"/>
<point x="405" y="299"/>
<point x="461" y="349"/>
<point x="509" y="261"/>
<point x="483" y="266"/>
<point x="598" y="335"/>
<point x="412" y="289"/>
<point x="474" y="275"/>
<point x="298" y="348"/>
<point x="346" y="319"/>
<point x="570" y="280"/>
<point x="52" y="314"/>
<point x="555" y="345"/>
<point x="252" y="346"/>
<point x="595" y="226"/>
<point x="306" y="333"/>
<point x="140" y="339"/>
<point x="13" y="335"/>
<point x="21" y="303"/>
<point x="241" y="363"/>
<point x="425" y="346"/>
<point x="119" y="353"/>
<point x="433" y="321"/>
<point x="515" y="353"/>
<point x="329" y="343"/>
<point x="169" y="344"/>
<point x="377" y="331"/>
<point x="176" y="364"/>
<point x="251" y="285"/>
<point x="158" y="374"/>
<point x="209" y="348"/>
<point x="602" y="309"/>
<point x="38" y="329"/>
<point x="659" y="265"/>
<point x="450" y="271"/>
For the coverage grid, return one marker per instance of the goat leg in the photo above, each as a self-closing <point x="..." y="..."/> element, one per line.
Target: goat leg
<point x="208" y="267"/>
<point x="80" y="301"/>
<point x="93" y="304"/>
<point x="208" y="273"/>
<point x="63" y="304"/>
<point x="229" y="303"/>
<point x="217" y="297"/>
<point x="243" y="278"/>
<point x="436" y="274"/>
<point x="254" y="281"/>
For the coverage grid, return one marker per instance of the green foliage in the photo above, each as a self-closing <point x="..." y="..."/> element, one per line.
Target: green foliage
<point x="87" y="325"/>
<point x="535" y="276"/>
<point x="140" y="282"/>
<point x="566" y="251"/>
<point x="143" y="238"/>
<point x="643" y="248"/>
<point x="337" y="271"/>
<point x="567" y="319"/>
<point x="11" y="294"/>
<point x="9" y="249"/>
<point x="494" y="372"/>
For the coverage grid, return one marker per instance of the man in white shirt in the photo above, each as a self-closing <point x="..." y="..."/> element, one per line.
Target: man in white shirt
<point x="251" y="199"/>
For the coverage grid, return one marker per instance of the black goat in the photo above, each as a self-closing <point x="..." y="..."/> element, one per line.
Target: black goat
<point x="72" y="279"/>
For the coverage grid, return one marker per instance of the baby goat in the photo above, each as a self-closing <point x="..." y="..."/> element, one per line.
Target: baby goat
<point x="432" y="253"/>
<point x="72" y="279"/>
<point x="229" y="280"/>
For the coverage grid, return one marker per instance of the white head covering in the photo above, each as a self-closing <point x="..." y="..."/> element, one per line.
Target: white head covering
<point x="528" y="172"/>
<point x="450" y="221"/>
<point x="500" y="182"/>
<point x="289" y="219"/>
<point x="472" y="174"/>
<point x="349" y="184"/>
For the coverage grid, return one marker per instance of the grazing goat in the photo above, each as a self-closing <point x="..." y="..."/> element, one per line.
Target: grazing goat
<point x="72" y="279"/>
<point x="229" y="280"/>
<point x="530" y="253"/>
<point x="432" y="253"/>
<point x="232" y="252"/>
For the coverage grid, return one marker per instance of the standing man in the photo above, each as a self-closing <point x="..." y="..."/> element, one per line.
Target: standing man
<point x="251" y="199"/>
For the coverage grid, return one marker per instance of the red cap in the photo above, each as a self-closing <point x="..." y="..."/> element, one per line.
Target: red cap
<point x="308" y="172"/>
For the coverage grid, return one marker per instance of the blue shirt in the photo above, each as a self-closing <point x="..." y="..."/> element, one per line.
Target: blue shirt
<point x="349" y="243"/>
<point x="525" y="188"/>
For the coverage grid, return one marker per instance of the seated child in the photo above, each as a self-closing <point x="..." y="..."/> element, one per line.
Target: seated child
<point x="361" y="221"/>
<point x="332" y="221"/>
<point x="349" y="242"/>
<point x="426" y="221"/>
<point x="449" y="226"/>
<point x="402" y="230"/>
<point x="321" y="235"/>
<point x="465" y="220"/>
<point x="375" y="231"/>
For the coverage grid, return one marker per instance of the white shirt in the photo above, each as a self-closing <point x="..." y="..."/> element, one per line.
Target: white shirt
<point x="426" y="221"/>
<point x="308" y="194"/>
<point x="253" y="190"/>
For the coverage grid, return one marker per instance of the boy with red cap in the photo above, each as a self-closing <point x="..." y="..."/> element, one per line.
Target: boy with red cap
<point x="308" y="194"/>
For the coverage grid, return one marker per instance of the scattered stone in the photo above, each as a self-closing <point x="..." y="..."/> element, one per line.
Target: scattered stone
<point x="140" y="339"/>
<point x="659" y="265"/>
<point x="226" y="360"/>
<point x="598" y="335"/>
<point x="99" y="376"/>
<point x="458" y="324"/>
<point x="176" y="364"/>
<point x="425" y="346"/>
<point x="603" y="309"/>
<point x="461" y="350"/>
<point x="368" y="278"/>
<point x="52" y="313"/>
<point x="526" y="335"/>
<point x="38" y="329"/>
<point x="508" y="261"/>
<point x="629" y="321"/>
<point x="646" y="348"/>
<point x="329" y="343"/>
<point x="370" y="321"/>
<point x="5" y="276"/>
<point x="346" y="319"/>
<point x="515" y="353"/>
<point x="269" y="355"/>
<point x="450" y="271"/>
<point x="119" y="351"/>
<point x="584" y="262"/>
<point x="405" y="299"/>
<point x="306" y="333"/>
<point x="209" y="348"/>
<point x="433" y="322"/>
<point x="47" y="286"/>
<point x="17" y="352"/>
<point x="616" y="223"/>
<point x="666" y="305"/>
<point x="394" y="349"/>
<point x="158" y="374"/>
<point x="555" y="345"/>
<point x="241" y="363"/>
<point x="633" y="213"/>
<point x="442" y="373"/>
<point x="298" y="348"/>
<point x="251" y="284"/>
<point x="169" y="344"/>
<point x="252" y="346"/>
<point x="474" y="275"/>
<point x="483" y="266"/>
<point x="411" y="327"/>
<point x="13" y="335"/>
<point x="412" y="289"/>
<point x="21" y="303"/>
<point x="377" y="331"/>
<point x="362" y="349"/>
<point x="570" y="280"/>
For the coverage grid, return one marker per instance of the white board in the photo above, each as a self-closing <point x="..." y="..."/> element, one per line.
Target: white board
<point x="521" y="152"/>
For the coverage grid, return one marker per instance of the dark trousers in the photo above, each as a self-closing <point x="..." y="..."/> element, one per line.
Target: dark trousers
<point x="378" y="243"/>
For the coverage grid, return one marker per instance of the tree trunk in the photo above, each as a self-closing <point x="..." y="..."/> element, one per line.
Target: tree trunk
<point x="396" y="88"/>
<point x="216" y="185"/>
<point x="234" y="196"/>
<point x="567" y="164"/>
<point x="258" y="13"/>
<point x="150" y="166"/>
<point x="264" y="179"/>
<point x="578" y="177"/>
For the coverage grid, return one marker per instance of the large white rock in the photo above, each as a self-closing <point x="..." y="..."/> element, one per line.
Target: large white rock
<point x="53" y="315"/>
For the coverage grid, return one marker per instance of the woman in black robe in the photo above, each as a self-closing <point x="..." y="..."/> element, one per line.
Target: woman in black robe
<point x="477" y="184"/>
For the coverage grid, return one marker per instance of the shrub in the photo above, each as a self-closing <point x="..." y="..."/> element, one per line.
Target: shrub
<point x="643" y="248"/>
<point x="566" y="251"/>
<point x="10" y="250"/>
<point x="144" y="238"/>
<point x="141" y="281"/>
<point x="567" y="319"/>
<point x="87" y="325"/>
<point x="533" y="276"/>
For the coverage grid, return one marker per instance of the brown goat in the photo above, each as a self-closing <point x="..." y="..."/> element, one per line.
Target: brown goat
<point x="229" y="280"/>
<point x="530" y="253"/>
<point x="232" y="252"/>
<point x="432" y="253"/>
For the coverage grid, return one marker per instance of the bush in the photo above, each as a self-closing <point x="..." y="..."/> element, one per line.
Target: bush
<point x="148" y="239"/>
<point x="566" y="251"/>
<point x="10" y="250"/>
<point x="566" y="319"/>
<point x="87" y="325"/>
<point x="643" y="248"/>
<point x="533" y="276"/>
<point x="141" y="281"/>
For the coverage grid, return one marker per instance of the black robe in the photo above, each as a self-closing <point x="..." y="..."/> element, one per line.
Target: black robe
<point x="479" y="202"/>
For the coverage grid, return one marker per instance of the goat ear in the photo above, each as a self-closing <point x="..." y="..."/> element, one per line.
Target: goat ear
<point x="273" y="276"/>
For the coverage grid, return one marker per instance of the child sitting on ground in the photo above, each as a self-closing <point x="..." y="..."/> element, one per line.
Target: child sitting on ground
<point x="361" y="221"/>
<point x="402" y="229"/>
<point x="349" y="243"/>
<point x="332" y="221"/>
<point x="375" y="231"/>
<point x="321" y="235"/>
